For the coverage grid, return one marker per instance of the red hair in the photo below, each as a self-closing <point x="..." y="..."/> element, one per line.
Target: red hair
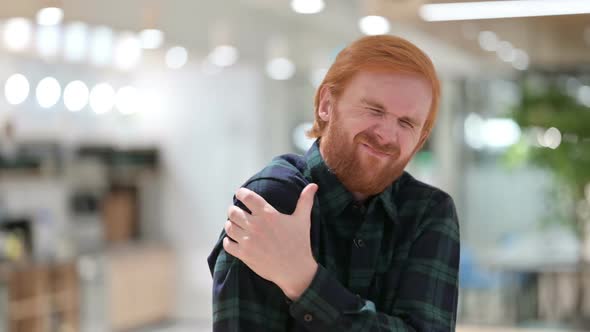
<point x="380" y="53"/>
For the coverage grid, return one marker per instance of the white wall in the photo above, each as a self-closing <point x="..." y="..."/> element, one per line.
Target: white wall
<point x="213" y="138"/>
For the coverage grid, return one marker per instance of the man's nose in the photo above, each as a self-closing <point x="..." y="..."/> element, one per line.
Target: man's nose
<point x="387" y="132"/>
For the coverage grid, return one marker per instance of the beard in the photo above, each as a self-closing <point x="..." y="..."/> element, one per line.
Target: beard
<point x="357" y="170"/>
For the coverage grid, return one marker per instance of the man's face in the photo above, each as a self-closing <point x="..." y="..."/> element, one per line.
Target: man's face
<point x="374" y="128"/>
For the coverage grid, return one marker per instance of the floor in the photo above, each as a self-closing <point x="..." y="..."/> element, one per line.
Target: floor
<point x="205" y="327"/>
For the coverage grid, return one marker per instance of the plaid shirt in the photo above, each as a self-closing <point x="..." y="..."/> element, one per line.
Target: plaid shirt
<point x="388" y="265"/>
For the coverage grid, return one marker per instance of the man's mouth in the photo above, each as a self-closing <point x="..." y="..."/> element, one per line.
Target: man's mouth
<point x="374" y="151"/>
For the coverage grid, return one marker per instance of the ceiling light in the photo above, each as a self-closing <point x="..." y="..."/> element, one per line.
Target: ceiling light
<point x="473" y="127"/>
<point x="495" y="133"/>
<point x="50" y="16"/>
<point x="75" y="41"/>
<point x="101" y="46"/>
<point x="552" y="138"/>
<point x="17" y="33"/>
<point x="374" y="25"/>
<point x="48" y="92"/>
<point x="500" y="133"/>
<point x="521" y="60"/>
<point x="280" y="69"/>
<point x="16" y="89"/>
<point x="102" y="98"/>
<point x="223" y="56"/>
<point x="151" y="39"/>
<point x="505" y="51"/>
<point x="127" y="51"/>
<point x="488" y="41"/>
<point x="307" y="6"/>
<point x="48" y="40"/>
<point x="176" y="57"/>
<point x="502" y="9"/>
<point x="76" y="96"/>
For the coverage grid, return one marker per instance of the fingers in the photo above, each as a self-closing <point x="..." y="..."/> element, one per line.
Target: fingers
<point x="235" y="232"/>
<point x="238" y="216"/>
<point x="305" y="202"/>
<point x="253" y="201"/>
<point x="231" y="247"/>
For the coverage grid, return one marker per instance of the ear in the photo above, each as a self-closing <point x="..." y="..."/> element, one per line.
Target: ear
<point x="326" y="104"/>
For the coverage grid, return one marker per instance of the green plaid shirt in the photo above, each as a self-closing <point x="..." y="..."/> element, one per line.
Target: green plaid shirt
<point x="388" y="265"/>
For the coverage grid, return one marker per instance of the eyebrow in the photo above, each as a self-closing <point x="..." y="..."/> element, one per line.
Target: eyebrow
<point x="379" y="106"/>
<point x="372" y="103"/>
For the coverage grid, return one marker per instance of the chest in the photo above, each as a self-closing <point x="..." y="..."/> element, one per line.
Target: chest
<point x="363" y="249"/>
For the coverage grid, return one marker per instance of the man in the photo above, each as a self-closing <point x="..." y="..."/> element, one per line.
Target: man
<point x="343" y="239"/>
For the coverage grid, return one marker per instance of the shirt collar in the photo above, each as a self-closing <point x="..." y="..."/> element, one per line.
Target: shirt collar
<point x="332" y="194"/>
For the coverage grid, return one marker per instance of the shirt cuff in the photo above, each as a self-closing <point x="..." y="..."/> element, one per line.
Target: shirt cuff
<point x="325" y="300"/>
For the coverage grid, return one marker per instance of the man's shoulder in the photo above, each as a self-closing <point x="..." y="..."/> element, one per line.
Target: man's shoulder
<point x="412" y="189"/>
<point x="285" y="168"/>
<point x="281" y="181"/>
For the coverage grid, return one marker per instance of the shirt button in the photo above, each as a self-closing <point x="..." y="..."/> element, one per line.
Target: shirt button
<point x="307" y="317"/>
<point x="359" y="243"/>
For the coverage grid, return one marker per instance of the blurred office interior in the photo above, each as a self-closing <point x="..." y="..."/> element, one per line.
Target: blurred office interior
<point x="126" y="127"/>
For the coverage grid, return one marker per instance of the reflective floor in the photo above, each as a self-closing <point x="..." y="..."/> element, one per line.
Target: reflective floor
<point x="206" y="327"/>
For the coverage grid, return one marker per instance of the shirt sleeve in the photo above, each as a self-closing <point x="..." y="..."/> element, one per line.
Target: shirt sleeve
<point x="425" y="301"/>
<point x="242" y="300"/>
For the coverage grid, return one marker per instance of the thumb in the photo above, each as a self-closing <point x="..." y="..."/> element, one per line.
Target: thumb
<point x="305" y="202"/>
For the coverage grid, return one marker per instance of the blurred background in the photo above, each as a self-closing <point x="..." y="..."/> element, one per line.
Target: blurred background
<point x="126" y="127"/>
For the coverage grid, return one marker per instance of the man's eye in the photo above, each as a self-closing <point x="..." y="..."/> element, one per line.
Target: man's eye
<point x="407" y="124"/>
<point x="375" y="111"/>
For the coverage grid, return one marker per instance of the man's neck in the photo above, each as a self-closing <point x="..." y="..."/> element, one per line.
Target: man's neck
<point x="359" y="197"/>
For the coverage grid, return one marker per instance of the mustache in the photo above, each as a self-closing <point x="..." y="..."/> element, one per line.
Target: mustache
<point x="371" y="140"/>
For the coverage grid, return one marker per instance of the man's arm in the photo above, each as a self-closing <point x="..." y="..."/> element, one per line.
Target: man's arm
<point x="427" y="296"/>
<point x="242" y="300"/>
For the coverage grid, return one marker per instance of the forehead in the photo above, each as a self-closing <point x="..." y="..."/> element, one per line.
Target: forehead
<point x="409" y="94"/>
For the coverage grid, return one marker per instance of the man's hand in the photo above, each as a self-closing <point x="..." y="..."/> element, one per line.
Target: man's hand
<point x="275" y="246"/>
